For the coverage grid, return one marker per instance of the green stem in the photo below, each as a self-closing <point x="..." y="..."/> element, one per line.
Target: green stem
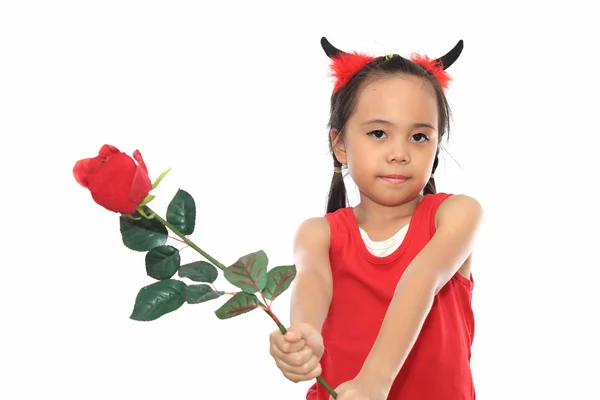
<point x="186" y="240"/>
<point x="222" y="267"/>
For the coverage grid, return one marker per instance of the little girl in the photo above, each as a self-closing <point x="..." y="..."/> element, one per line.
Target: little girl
<point x="381" y="304"/>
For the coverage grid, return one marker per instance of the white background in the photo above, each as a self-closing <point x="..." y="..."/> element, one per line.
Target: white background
<point x="233" y="96"/>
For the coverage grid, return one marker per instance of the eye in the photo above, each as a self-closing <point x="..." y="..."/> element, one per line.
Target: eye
<point x="422" y="136"/>
<point x="378" y="134"/>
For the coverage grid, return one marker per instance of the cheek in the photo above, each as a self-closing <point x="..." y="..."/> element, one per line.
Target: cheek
<point x="360" y="157"/>
<point x="428" y="162"/>
<point x="422" y="160"/>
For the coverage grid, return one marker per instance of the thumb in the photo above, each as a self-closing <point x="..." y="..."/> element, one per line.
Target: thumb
<point x="301" y="331"/>
<point x="293" y="334"/>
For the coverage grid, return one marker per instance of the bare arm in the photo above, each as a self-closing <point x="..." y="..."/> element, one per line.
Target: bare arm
<point x="458" y="219"/>
<point x="298" y="353"/>
<point x="312" y="287"/>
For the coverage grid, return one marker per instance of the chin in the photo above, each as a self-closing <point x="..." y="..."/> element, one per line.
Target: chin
<point x="392" y="199"/>
<point x="390" y="195"/>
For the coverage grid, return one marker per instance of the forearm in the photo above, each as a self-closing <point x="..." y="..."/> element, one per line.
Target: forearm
<point x="310" y="299"/>
<point x="458" y="220"/>
<point x="401" y="326"/>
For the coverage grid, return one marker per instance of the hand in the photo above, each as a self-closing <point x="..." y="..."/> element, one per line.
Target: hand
<point x="298" y="352"/>
<point x="360" y="388"/>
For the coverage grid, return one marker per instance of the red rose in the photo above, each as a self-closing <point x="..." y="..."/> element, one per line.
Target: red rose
<point x="113" y="178"/>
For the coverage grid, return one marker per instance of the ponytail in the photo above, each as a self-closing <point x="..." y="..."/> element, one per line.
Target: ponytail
<point x="337" y="192"/>
<point x="430" y="187"/>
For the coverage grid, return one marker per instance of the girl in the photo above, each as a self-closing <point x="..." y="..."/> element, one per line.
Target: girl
<point x="381" y="304"/>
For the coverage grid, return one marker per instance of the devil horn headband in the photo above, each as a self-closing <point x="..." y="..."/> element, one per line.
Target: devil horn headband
<point x="345" y="65"/>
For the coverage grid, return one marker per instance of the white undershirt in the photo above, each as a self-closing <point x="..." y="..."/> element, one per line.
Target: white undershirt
<point x="385" y="247"/>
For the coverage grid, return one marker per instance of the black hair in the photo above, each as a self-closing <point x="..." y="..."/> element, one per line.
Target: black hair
<point x="343" y="104"/>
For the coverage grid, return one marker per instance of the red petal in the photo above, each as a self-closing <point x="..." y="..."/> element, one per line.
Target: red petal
<point x="111" y="184"/>
<point x="108" y="150"/>
<point x="137" y="156"/>
<point x="83" y="168"/>
<point x="141" y="185"/>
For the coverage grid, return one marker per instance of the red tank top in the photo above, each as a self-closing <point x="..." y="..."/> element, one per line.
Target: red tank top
<point x="438" y="366"/>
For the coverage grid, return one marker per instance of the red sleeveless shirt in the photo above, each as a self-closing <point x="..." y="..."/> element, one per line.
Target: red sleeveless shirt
<point x="438" y="366"/>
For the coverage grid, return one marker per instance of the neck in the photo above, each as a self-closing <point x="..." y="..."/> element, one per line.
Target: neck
<point x="373" y="212"/>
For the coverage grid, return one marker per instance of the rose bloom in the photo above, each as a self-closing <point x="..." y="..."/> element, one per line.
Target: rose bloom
<point x="114" y="179"/>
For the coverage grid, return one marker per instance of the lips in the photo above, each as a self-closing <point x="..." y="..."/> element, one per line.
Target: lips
<point x="394" y="178"/>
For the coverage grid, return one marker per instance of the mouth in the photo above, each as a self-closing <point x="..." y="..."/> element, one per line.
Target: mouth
<point x="396" y="179"/>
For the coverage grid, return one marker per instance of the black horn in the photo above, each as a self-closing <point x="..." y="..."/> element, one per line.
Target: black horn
<point x="449" y="58"/>
<point x="330" y="50"/>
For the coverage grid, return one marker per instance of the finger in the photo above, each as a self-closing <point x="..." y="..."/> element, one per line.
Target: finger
<point x="300" y="331"/>
<point x="287" y="347"/>
<point x="281" y="349"/>
<point x="316" y="345"/>
<point x="298" y="358"/>
<point x="307" y="330"/>
<point x="281" y="359"/>
<point x="277" y="339"/>
<point x="302" y="377"/>
<point x="311" y="367"/>
<point x="312" y="337"/>
<point x="307" y="369"/>
<point x="295" y="359"/>
<point x="274" y="335"/>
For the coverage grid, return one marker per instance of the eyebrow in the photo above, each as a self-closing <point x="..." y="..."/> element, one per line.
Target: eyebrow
<point x="386" y="122"/>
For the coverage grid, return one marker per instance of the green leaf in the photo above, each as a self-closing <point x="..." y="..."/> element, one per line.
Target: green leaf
<point x="181" y="212"/>
<point x="195" y="294"/>
<point x="238" y="304"/>
<point x="157" y="299"/>
<point x="147" y="200"/>
<point x="143" y="234"/>
<point x="199" y="271"/>
<point x="278" y="280"/>
<point x="160" y="178"/>
<point x="249" y="272"/>
<point x="162" y="262"/>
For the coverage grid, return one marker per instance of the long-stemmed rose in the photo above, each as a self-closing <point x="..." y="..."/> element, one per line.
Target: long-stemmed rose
<point x="119" y="184"/>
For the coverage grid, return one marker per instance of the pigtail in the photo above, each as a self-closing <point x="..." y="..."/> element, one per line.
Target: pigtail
<point x="430" y="187"/>
<point x="337" y="192"/>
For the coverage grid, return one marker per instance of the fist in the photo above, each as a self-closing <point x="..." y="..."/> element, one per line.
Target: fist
<point x="297" y="353"/>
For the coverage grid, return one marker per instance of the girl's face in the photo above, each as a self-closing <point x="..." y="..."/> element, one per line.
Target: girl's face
<point x="391" y="139"/>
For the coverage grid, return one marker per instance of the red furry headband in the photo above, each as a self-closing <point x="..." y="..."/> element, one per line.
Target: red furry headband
<point x="345" y="65"/>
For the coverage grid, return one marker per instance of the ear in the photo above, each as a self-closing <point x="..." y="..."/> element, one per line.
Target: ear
<point x="337" y="143"/>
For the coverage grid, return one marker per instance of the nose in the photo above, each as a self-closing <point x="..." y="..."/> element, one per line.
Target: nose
<point x="398" y="152"/>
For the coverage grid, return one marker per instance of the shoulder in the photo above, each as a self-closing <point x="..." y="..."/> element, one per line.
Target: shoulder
<point x="314" y="225"/>
<point x="311" y="248"/>
<point x="459" y="209"/>
<point x="457" y="220"/>
<point x="313" y="232"/>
